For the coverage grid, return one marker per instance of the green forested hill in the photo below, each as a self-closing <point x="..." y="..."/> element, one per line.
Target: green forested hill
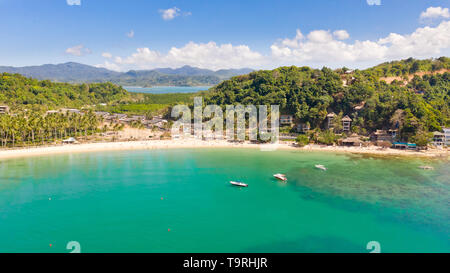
<point x="419" y="107"/>
<point x="19" y="90"/>
<point x="410" y="66"/>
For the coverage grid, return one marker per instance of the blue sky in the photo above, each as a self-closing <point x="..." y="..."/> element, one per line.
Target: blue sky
<point x="142" y="34"/>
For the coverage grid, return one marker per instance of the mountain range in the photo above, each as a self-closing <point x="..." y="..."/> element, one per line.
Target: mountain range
<point x="80" y="73"/>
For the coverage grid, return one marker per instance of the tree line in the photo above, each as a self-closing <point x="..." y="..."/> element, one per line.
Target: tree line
<point x="33" y="128"/>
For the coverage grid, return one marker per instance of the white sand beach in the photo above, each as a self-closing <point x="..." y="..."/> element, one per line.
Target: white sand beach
<point x="192" y="143"/>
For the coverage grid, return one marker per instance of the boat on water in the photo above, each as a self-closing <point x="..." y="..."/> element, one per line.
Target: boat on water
<point x="280" y="176"/>
<point x="426" y="167"/>
<point x="239" y="184"/>
<point x="321" y="167"/>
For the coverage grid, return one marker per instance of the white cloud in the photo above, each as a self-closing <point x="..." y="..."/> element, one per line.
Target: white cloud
<point x="78" y="50"/>
<point x="204" y="55"/>
<point x="434" y="13"/>
<point x="169" y="14"/>
<point x="107" y="55"/>
<point x="320" y="47"/>
<point x="109" y="65"/>
<point x="130" y="34"/>
<point x="341" y="34"/>
<point x="74" y="2"/>
<point x="316" y="48"/>
<point x="373" y="2"/>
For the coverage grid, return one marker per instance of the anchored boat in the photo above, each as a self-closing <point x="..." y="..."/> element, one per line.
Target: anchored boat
<point x="280" y="176"/>
<point x="239" y="184"/>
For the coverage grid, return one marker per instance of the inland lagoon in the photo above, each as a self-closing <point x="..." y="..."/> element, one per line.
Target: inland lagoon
<point x="166" y="89"/>
<point x="180" y="200"/>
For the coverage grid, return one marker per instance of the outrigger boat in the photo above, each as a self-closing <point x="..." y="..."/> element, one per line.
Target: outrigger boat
<point x="280" y="176"/>
<point x="239" y="184"/>
<point x="322" y="167"/>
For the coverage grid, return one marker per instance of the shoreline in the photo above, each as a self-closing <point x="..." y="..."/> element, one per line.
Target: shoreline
<point x="192" y="143"/>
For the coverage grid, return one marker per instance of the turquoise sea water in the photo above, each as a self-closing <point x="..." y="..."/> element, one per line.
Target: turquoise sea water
<point x="181" y="201"/>
<point x="167" y="89"/>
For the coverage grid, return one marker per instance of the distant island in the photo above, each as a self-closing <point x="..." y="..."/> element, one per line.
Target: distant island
<point x="80" y="73"/>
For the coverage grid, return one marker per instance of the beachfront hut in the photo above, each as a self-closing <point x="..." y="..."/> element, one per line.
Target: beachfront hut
<point x="346" y="123"/>
<point x="70" y="140"/>
<point x="330" y="118"/>
<point x="381" y="135"/>
<point x="404" y="145"/>
<point x="353" y="140"/>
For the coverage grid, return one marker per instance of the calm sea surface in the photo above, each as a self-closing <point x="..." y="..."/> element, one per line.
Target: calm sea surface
<point x="167" y="89"/>
<point x="181" y="201"/>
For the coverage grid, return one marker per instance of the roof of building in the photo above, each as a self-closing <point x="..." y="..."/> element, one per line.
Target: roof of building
<point x="405" y="143"/>
<point x="380" y="132"/>
<point x="346" y="118"/>
<point x="351" y="139"/>
<point x="332" y="114"/>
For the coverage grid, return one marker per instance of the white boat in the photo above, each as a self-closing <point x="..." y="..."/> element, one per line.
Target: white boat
<point x="322" y="167"/>
<point x="239" y="184"/>
<point x="280" y="176"/>
<point x="426" y="167"/>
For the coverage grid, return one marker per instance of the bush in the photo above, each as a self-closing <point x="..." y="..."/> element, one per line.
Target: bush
<point x="302" y="140"/>
<point x="327" y="137"/>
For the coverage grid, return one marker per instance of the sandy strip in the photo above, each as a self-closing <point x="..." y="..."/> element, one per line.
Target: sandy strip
<point x="174" y="144"/>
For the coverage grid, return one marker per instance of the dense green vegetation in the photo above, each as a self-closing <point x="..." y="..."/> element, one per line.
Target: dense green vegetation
<point x="409" y="66"/>
<point x="20" y="92"/>
<point x="36" y="128"/>
<point x="419" y="107"/>
<point x="17" y="90"/>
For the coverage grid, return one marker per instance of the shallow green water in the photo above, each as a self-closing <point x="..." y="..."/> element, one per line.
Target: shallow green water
<point x="181" y="201"/>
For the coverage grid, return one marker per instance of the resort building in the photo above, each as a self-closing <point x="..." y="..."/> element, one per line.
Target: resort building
<point x="102" y="114"/>
<point x="49" y="112"/>
<point x="117" y="117"/>
<point x="383" y="135"/>
<point x="302" y="127"/>
<point x="346" y="123"/>
<point x="73" y="111"/>
<point x="447" y="136"/>
<point x="438" y="139"/>
<point x="138" y="118"/>
<point x="286" y="119"/>
<point x="330" y="119"/>
<point x="4" y="109"/>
